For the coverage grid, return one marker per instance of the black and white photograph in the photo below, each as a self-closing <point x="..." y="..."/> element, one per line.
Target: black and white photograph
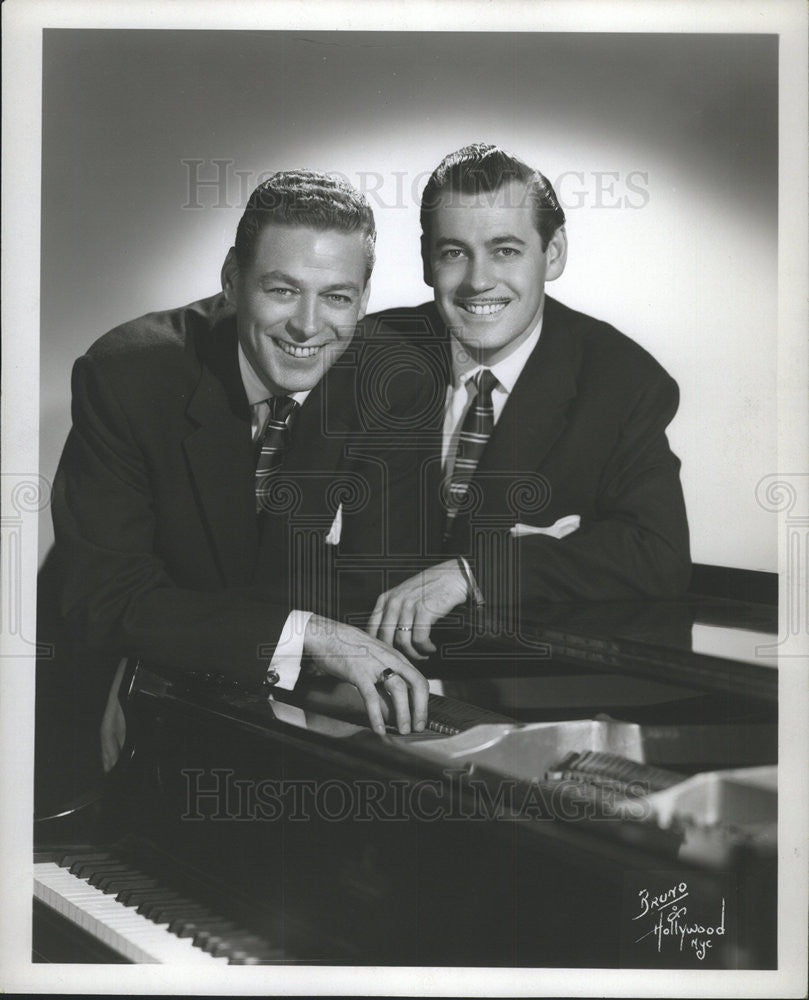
<point x="405" y="499"/>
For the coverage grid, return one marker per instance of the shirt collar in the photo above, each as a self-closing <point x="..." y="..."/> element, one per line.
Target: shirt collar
<point x="507" y="371"/>
<point x="255" y="389"/>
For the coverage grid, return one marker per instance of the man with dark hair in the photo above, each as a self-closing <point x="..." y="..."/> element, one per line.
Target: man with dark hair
<point x="222" y="462"/>
<point x="485" y="169"/>
<point x="555" y="481"/>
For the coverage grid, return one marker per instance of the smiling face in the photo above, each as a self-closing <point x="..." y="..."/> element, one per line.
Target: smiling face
<point x="485" y="262"/>
<point x="297" y="302"/>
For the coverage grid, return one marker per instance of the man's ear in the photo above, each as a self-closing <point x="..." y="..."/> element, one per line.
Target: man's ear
<point x="364" y="299"/>
<point x="230" y="276"/>
<point x="425" y="260"/>
<point x="556" y="254"/>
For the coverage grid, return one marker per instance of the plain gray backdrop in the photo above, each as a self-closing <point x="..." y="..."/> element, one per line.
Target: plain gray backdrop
<point x="663" y="149"/>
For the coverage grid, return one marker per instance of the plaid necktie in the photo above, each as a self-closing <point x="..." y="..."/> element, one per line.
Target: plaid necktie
<point x="274" y="442"/>
<point x="475" y="432"/>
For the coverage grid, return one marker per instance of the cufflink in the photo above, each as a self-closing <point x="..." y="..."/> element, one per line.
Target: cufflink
<point x="271" y="678"/>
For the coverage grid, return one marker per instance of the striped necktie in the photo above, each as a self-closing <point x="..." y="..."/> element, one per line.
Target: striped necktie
<point x="475" y="432"/>
<point x="274" y="442"/>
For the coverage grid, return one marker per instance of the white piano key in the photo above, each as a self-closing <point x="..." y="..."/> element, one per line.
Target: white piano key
<point x="129" y="933"/>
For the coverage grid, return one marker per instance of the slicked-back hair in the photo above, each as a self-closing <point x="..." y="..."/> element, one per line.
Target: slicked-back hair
<point x="305" y="198"/>
<point x="484" y="168"/>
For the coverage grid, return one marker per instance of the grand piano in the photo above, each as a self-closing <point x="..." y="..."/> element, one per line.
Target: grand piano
<point x="598" y="790"/>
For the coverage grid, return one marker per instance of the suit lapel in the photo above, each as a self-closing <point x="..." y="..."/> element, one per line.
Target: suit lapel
<point x="315" y="453"/>
<point x="532" y="420"/>
<point x="220" y="454"/>
<point x="324" y="420"/>
<point x="535" y="413"/>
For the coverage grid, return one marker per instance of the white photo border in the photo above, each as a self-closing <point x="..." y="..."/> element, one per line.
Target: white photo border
<point x="22" y="48"/>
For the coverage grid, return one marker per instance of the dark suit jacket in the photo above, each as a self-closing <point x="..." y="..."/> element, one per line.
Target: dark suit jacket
<point x="582" y="433"/>
<point x="161" y="551"/>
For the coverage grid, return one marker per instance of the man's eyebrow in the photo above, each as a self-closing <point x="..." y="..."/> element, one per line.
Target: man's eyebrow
<point x="444" y="241"/>
<point x="279" y="276"/>
<point x="289" y="280"/>
<point x="497" y="240"/>
<point x="346" y="286"/>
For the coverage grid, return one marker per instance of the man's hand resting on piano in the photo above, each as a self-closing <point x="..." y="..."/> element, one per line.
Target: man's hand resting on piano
<point x="349" y="654"/>
<point x="404" y="615"/>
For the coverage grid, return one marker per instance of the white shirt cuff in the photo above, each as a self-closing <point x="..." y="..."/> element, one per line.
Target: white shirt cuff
<point x="474" y="592"/>
<point x="289" y="651"/>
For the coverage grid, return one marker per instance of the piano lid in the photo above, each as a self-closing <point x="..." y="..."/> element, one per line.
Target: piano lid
<point x="709" y="643"/>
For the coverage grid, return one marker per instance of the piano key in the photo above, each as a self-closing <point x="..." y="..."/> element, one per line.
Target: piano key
<point x="243" y="945"/>
<point x="149" y="898"/>
<point x="169" y="912"/>
<point x="132" y="894"/>
<point x="115" y="883"/>
<point x="109" y="877"/>
<point x="131" y="935"/>
<point x="185" y="928"/>
<point x="144" y="900"/>
<point x="166" y="911"/>
<point x="214" y="932"/>
<point x="149" y="906"/>
<point x="111" y="882"/>
<point x="94" y="874"/>
<point x="256" y="951"/>
<point x="223" y="946"/>
<point x="84" y="868"/>
<point x="66" y="860"/>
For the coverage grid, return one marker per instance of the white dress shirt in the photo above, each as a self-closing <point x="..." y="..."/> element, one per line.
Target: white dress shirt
<point x="462" y="391"/>
<point x="289" y="651"/>
<point x="460" y="395"/>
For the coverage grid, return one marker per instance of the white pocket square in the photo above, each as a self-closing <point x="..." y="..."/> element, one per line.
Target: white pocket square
<point x="336" y="529"/>
<point x="564" y="526"/>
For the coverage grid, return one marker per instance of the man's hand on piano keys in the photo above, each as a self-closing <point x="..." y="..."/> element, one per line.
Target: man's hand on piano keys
<point x="349" y="654"/>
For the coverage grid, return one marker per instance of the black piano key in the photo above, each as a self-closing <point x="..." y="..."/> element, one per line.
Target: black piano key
<point x="83" y="869"/>
<point x="187" y="925"/>
<point x="174" y="908"/>
<point x="133" y="894"/>
<point x="172" y="914"/>
<point x="113" y="882"/>
<point x="168" y="903"/>
<point x="236" y="952"/>
<point x="106" y="873"/>
<point x="266" y="953"/>
<point x="244" y="956"/>
<point x="113" y="887"/>
<point x="66" y="860"/>
<point x="224" y="948"/>
<point x="216" y="932"/>
<point x="145" y="900"/>
<point x="236" y="946"/>
<point x="190" y="928"/>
